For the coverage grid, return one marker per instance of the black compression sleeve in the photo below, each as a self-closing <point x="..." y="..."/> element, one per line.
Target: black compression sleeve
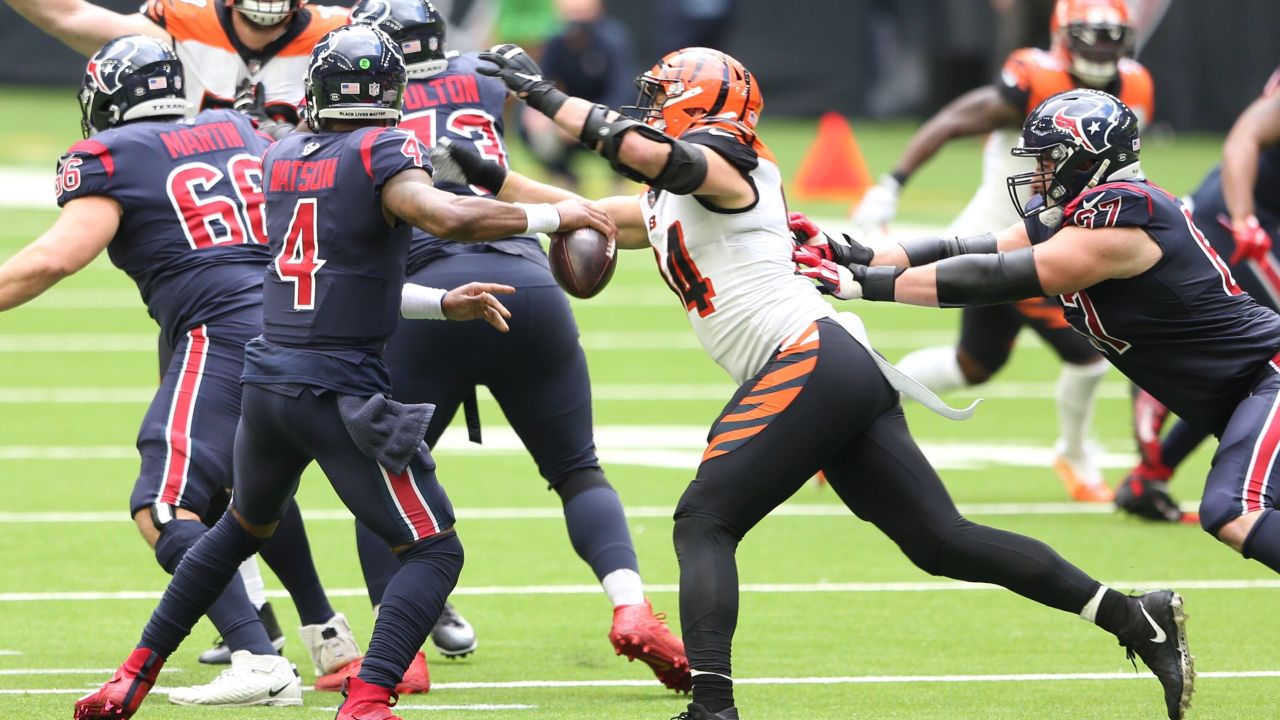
<point x="922" y="251"/>
<point x="970" y="280"/>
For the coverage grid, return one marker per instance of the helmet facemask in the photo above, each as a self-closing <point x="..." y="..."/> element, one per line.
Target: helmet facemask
<point x="266" y="13"/>
<point x="1061" y="174"/>
<point x="654" y="94"/>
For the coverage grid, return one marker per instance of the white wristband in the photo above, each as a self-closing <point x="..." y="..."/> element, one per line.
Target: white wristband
<point x="542" y="217"/>
<point x="419" y="302"/>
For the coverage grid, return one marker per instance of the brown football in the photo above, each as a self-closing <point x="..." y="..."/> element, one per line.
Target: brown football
<point x="582" y="261"/>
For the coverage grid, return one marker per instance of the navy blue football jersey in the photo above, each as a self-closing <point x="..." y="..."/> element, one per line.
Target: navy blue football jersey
<point x="332" y="291"/>
<point x="465" y="107"/>
<point x="1183" y="330"/>
<point x="192" y="234"/>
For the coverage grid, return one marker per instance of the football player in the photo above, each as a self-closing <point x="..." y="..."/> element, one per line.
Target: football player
<point x="177" y="205"/>
<point x="339" y="207"/>
<point x="226" y="46"/>
<point x="813" y="395"/>
<point x="1091" y="39"/>
<point x="1237" y="207"/>
<point x="547" y="395"/>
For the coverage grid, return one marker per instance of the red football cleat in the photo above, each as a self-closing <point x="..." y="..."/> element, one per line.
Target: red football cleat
<point x="125" y="691"/>
<point x="366" y="702"/>
<point x="640" y="634"/>
<point x="416" y="679"/>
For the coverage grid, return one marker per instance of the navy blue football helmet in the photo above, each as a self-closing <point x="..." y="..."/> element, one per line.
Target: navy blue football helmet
<point x="1080" y="138"/>
<point x="415" y="24"/>
<point x="131" y="77"/>
<point x="356" y="73"/>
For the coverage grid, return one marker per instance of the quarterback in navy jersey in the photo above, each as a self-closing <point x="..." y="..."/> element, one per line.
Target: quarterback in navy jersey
<point x="177" y="205"/>
<point x="1136" y="276"/>
<point x="547" y="395"/>
<point x="339" y="206"/>
<point x="1237" y="207"/>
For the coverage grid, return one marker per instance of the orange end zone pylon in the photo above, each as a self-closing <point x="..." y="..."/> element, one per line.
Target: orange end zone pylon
<point x="833" y="168"/>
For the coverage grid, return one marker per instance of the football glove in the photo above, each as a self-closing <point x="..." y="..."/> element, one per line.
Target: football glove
<point x="460" y="163"/>
<point x="880" y="205"/>
<point x="844" y="252"/>
<point x="522" y="76"/>
<point x="832" y="277"/>
<point x="1251" y="241"/>
<point x="251" y="101"/>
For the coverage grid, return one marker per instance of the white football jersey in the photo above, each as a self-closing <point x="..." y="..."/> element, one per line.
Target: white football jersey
<point x="733" y="269"/>
<point x="215" y="64"/>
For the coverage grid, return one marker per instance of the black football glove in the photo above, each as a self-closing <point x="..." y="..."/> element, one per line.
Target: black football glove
<point x="522" y="76"/>
<point x="251" y="101"/>
<point x="459" y="163"/>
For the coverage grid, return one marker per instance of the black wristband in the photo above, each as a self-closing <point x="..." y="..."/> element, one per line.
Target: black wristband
<point x="922" y="251"/>
<point x="900" y="177"/>
<point x="546" y="99"/>
<point x="878" y="282"/>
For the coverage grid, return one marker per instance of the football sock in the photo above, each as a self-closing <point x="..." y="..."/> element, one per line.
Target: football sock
<point x="708" y="606"/>
<point x="232" y="613"/>
<point x="410" y="607"/>
<point x="1181" y="441"/>
<point x="623" y="587"/>
<point x="1077" y="386"/>
<point x="377" y="562"/>
<point x="978" y="553"/>
<point x="251" y="576"/>
<point x="1263" y="541"/>
<point x="288" y="553"/>
<point x="936" y="368"/>
<point x="203" y="574"/>
<point x="598" y="527"/>
<point x="1108" y="610"/>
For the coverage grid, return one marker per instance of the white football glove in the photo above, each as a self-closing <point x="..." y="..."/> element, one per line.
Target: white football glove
<point x="880" y="205"/>
<point x="832" y="277"/>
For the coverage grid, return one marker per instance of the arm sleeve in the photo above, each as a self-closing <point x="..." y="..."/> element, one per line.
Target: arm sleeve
<point x="731" y="143"/>
<point x="86" y="169"/>
<point x="1014" y="82"/>
<point x="1111" y="206"/>
<point x="387" y="152"/>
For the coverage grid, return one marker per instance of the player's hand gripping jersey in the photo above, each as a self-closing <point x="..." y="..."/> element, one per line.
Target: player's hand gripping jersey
<point x="732" y="269"/>
<point x="466" y="107"/>
<point x="332" y="250"/>
<point x="218" y="65"/>
<point x="200" y="255"/>
<point x="1183" y="330"/>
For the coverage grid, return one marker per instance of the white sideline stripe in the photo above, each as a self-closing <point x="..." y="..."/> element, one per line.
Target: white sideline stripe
<point x="762" y="588"/>
<point x="639" y="512"/>
<point x="10" y="653"/>
<point x="70" y="671"/>
<point x="846" y="680"/>
<point x="630" y="340"/>
<point x="719" y="393"/>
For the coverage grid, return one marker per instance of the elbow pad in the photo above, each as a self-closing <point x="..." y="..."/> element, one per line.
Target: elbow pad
<point x="922" y="251"/>
<point x="990" y="279"/>
<point x="686" y="167"/>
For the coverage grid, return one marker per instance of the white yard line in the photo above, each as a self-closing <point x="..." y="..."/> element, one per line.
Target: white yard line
<point x="837" y="680"/>
<point x="762" y="588"/>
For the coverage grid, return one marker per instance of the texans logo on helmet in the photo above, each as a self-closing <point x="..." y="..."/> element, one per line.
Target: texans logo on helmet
<point x="1092" y="137"/>
<point x="108" y="68"/>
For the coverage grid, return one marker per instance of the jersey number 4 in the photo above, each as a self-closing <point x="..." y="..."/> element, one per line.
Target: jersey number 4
<point x="683" y="275"/>
<point x="210" y="219"/>
<point x="298" y="261"/>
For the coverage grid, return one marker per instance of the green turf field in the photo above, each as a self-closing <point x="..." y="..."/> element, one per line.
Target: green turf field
<point x="835" y="623"/>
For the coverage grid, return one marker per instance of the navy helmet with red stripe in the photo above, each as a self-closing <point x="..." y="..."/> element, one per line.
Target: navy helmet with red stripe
<point x="1080" y="138"/>
<point x="357" y="73"/>
<point x="131" y="77"/>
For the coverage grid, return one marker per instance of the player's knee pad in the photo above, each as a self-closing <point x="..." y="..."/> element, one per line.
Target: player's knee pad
<point x="699" y="531"/>
<point x="575" y="482"/>
<point x="176" y="537"/>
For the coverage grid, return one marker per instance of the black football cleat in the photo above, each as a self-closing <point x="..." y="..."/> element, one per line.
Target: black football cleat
<point x="1158" y="635"/>
<point x="697" y="712"/>
<point x="1146" y="497"/>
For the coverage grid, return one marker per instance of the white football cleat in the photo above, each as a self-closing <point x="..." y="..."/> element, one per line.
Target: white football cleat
<point x="1080" y="474"/>
<point x="251" y="680"/>
<point x="331" y="644"/>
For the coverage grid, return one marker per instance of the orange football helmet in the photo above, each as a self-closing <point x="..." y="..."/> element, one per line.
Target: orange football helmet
<point x="1091" y="36"/>
<point x="693" y="83"/>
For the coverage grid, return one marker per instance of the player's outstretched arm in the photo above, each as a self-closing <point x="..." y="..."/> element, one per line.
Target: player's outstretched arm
<point x="82" y="231"/>
<point x="83" y="26"/>
<point x="1257" y="127"/>
<point x="411" y="197"/>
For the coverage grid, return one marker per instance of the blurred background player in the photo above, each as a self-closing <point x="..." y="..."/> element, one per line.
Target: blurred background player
<point x="339" y="207"/>
<point x="546" y="396"/>
<point x="1237" y="207"/>
<point x="590" y="57"/>
<point x="225" y="46"/>
<point x="1091" y="41"/>
<point x="156" y="194"/>
<point x="812" y="396"/>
